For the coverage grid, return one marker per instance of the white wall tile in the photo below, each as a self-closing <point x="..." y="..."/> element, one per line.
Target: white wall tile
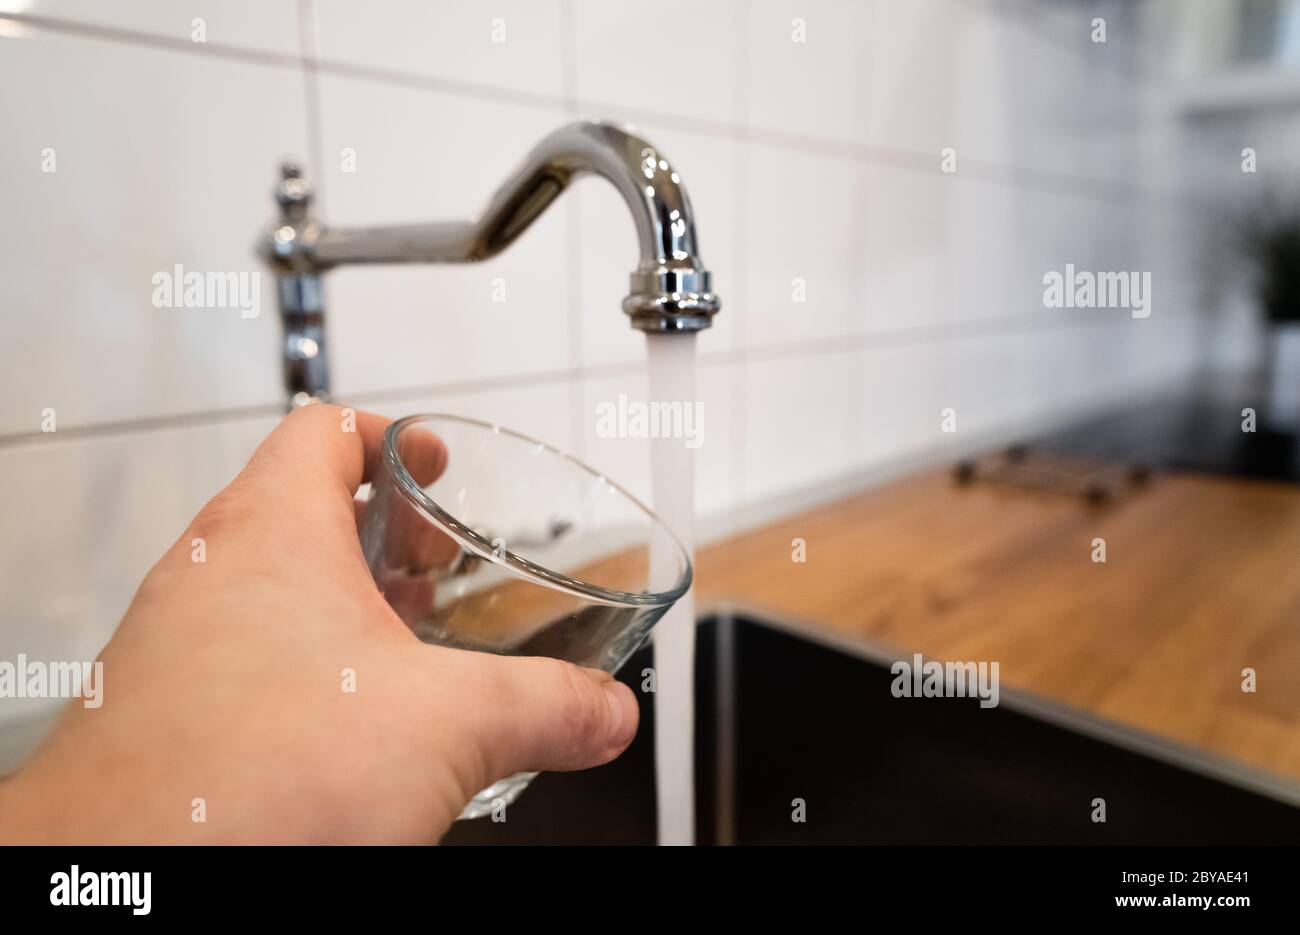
<point x="908" y="262"/>
<point x="455" y="40"/>
<point x="1105" y="123"/>
<point x="897" y="407"/>
<point x="1073" y="367"/>
<point x="1012" y="107"/>
<point x="914" y="74"/>
<point x="809" y="67"/>
<point x="808" y="237"/>
<point x="1004" y="240"/>
<point x="259" y="25"/>
<point x="988" y="231"/>
<point x="800" y="422"/>
<point x="985" y="380"/>
<point x="675" y="57"/>
<point x="999" y="91"/>
<point x="180" y="176"/>
<point x="410" y="326"/>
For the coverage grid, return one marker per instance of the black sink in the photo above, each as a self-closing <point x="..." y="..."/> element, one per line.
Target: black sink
<point x="804" y="721"/>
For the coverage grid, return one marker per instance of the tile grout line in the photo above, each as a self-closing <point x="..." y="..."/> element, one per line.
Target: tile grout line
<point x="218" y="50"/>
<point x="934" y="334"/>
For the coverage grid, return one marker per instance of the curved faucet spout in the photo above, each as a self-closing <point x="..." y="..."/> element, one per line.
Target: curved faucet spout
<point x="670" y="289"/>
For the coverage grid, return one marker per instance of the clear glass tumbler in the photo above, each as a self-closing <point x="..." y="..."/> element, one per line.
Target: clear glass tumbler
<point x="485" y="539"/>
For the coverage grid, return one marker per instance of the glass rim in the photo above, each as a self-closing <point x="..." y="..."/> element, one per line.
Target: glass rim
<point x="539" y="574"/>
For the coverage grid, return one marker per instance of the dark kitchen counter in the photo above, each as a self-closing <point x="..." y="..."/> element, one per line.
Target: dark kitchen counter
<point x="1196" y="428"/>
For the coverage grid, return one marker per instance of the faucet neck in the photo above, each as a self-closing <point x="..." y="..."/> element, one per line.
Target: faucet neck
<point x="670" y="289"/>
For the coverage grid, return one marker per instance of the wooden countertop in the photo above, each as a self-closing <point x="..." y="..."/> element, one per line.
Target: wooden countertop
<point x="1202" y="579"/>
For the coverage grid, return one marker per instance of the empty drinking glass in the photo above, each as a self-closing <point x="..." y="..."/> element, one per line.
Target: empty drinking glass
<point x="481" y="538"/>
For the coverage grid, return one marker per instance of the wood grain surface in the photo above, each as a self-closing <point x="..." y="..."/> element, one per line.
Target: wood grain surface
<point x="1202" y="579"/>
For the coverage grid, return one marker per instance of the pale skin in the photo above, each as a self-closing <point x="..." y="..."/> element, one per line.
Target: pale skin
<point x="225" y="683"/>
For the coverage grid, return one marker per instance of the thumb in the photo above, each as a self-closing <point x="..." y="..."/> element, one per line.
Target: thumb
<point x="552" y="715"/>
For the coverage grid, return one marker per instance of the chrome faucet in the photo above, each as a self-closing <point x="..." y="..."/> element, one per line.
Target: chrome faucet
<point x="670" y="288"/>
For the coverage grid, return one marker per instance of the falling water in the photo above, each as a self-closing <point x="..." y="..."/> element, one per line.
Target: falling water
<point x="672" y="379"/>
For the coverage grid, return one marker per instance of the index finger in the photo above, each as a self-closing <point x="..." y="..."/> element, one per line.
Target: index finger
<point x="331" y="450"/>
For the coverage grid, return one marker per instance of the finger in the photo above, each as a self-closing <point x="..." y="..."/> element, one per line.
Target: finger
<point x="415" y="546"/>
<point x="318" y="453"/>
<point x="310" y="467"/>
<point x="331" y="450"/>
<point x="545" y="714"/>
<point x="422" y="454"/>
<point x="413" y="543"/>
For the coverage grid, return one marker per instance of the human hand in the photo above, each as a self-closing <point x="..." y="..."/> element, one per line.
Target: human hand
<point x="224" y="682"/>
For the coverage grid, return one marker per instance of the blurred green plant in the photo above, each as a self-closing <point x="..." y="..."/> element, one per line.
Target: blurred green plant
<point x="1268" y="238"/>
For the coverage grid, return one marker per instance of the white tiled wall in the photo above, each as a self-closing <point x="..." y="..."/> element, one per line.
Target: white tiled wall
<point x="814" y="161"/>
<point x="449" y="40"/>
<point x="1210" y="134"/>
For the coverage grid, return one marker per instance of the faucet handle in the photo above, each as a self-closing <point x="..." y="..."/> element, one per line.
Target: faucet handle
<point x="292" y="194"/>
